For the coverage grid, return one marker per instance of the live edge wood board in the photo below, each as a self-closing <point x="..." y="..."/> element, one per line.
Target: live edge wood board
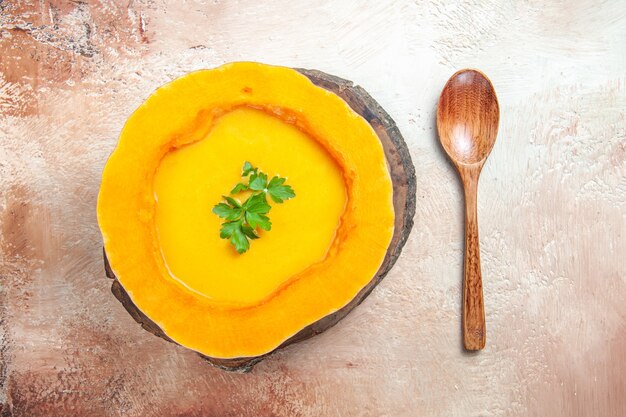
<point x="404" y="189"/>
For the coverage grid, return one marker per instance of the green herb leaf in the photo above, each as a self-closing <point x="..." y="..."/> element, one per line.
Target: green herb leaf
<point x="259" y="220"/>
<point x="229" y="228"/>
<point x="231" y="211"/>
<point x="249" y="232"/>
<point x="258" y="182"/>
<point x="235" y="214"/>
<point x="223" y="210"/>
<point x="240" y="240"/>
<point x="232" y="201"/>
<point x="279" y="192"/>
<point x="247" y="169"/>
<point x="243" y="219"/>
<point x="239" y="188"/>
<point x="257" y="204"/>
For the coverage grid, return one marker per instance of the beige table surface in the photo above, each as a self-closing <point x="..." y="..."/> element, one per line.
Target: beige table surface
<point x="552" y="204"/>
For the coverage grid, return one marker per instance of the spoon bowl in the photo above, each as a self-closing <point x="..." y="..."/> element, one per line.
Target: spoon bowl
<point x="467" y="117"/>
<point x="467" y="121"/>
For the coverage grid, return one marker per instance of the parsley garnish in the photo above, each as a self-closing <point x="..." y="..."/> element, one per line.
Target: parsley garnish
<point x="243" y="219"/>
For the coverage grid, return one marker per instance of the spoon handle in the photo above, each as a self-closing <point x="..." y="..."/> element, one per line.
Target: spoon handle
<point x="473" y="308"/>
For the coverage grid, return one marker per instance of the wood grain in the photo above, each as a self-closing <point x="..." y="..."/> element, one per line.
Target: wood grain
<point x="474" y="327"/>
<point x="468" y="116"/>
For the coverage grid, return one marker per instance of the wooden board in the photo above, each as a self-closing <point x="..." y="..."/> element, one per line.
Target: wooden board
<point x="403" y="178"/>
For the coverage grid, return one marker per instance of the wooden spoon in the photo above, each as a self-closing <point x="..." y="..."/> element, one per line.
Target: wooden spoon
<point x="467" y="121"/>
